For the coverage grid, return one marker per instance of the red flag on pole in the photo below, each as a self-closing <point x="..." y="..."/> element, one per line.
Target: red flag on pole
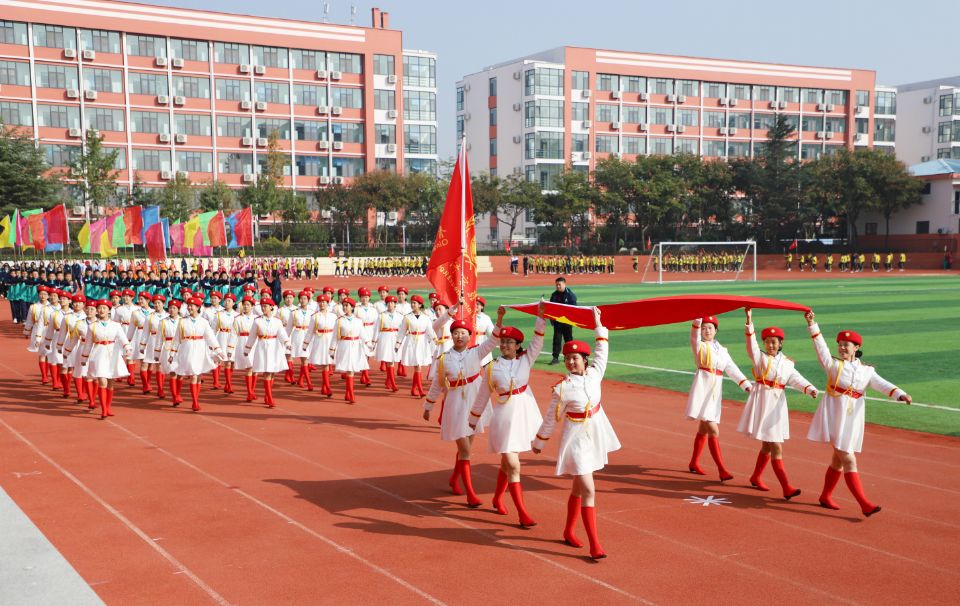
<point x="217" y="230"/>
<point x="35" y="227"/>
<point x="156" y="248"/>
<point x="452" y="269"/>
<point x="133" y="223"/>
<point x="56" y="219"/>
<point x="243" y="232"/>
<point x="649" y="243"/>
<point x="793" y="245"/>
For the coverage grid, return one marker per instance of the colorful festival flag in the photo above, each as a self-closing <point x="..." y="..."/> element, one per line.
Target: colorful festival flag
<point x="133" y="225"/>
<point x="56" y="223"/>
<point x="83" y="238"/>
<point x="243" y="227"/>
<point x="7" y="230"/>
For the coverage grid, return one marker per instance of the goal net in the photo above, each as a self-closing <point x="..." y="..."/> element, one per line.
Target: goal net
<point x="701" y="262"/>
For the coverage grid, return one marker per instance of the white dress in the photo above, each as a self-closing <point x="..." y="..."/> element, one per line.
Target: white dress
<point x="51" y="334"/>
<point x="35" y="325"/>
<point x="297" y="326"/>
<point x="319" y="338"/>
<point x="444" y="341"/>
<point x="268" y="345"/>
<point x="587" y="435"/>
<point x="416" y="339"/>
<point x="105" y="347"/>
<point x="150" y="339"/>
<point x="404" y="308"/>
<point x="765" y="416"/>
<point x="74" y="344"/>
<point x="706" y="392"/>
<point x="347" y="347"/>
<point x="138" y="321"/>
<point x="121" y="314"/>
<point x="368" y="315"/>
<point x="385" y="337"/>
<point x="222" y="324"/>
<point x="70" y="338"/>
<point x="840" y="415"/>
<point x="483" y="331"/>
<point x="516" y="417"/>
<point x="242" y="325"/>
<point x="168" y="331"/>
<point x="459" y="377"/>
<point x="193" y="343"/>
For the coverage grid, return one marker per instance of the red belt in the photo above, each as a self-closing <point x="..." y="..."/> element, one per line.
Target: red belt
<point x="224" y="330"/>
<point x="103" y="342"/>
<point x="369" y="323"/>
<point x="712" y="371"/>
<point x="168" y="338"/>
<point x="299" y="327"/>
<point x="192" y="338"/>
<point x="585" y="414"/>
<point x="349" y="338"/>
<point x="460" y="382"/>
<point x="389" y="330"/>
<point x="415" y="333"/>
<point x="772" y="384"/>
<point x="515" y="391"/>
<point x="324" y="331"/>
<point x="856" y="395"/>
<point x="266" y="336"/>
<point x="153" y="332"/>
<point x="125" y="323"/>
<point x="243" y="334"/>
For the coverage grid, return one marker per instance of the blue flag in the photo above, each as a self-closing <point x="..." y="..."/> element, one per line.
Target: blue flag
<point x="166" y="230"/>
<point x="149" y="215"/>
<point x="231" y="221"/>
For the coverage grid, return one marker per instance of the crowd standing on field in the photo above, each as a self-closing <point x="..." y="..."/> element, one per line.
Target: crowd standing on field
<point x="700" y="262"/>
<point x="562" y="264"/>
<point x="848" y="262"/>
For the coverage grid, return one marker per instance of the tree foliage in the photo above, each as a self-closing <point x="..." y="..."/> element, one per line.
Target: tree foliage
<point x="24" y="182"/>
<point x="95" y="173"/>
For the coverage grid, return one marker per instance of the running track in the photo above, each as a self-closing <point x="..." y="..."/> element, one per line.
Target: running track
<point x="321" y="502"/>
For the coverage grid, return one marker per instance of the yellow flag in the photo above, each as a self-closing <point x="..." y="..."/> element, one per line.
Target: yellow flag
<point x="106" y="246"/>
<point x="83" y="237"/>
<point x="190" y="230"/>
<point x="5" y="234"/>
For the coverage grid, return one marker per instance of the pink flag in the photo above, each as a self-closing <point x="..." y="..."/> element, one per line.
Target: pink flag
<point x="176" y="239"/>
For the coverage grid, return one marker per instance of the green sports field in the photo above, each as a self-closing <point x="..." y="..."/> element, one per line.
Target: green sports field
<point x="910" y="325"/>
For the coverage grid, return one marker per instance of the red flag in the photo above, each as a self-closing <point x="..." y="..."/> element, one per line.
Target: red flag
<point x="56" y="219"/>
<point x="35" y="226"/>
<point x="216" y="230"/>
<point x="133" y="222"/>
<point x="243" y="232"/>
<point x="452" y="269"/>
<point x="655" y="311"/>
<point x="156" y="250"/>
<point x="649" y="243"/>
<point x="793" y="245"/>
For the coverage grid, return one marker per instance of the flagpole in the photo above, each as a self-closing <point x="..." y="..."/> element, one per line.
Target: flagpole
<point x="463" y="215"/>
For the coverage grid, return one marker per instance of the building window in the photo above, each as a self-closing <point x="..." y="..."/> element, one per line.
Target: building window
<point x="234" y="163"/>
<point x="420" y="105"/>
<point x="195" y="161"/>
<point x="835" y="97"/>
<point x="956" y="202"/>
<point x="545" y="113"/>
<point x="661" y="146"/>
<point x="739" y="91"/>
<point x="346" y="97"/>
<point x="663" y="86"/>
<point x="545" y="174"/>
<point x="56" y="76"/>
<point x="580" y="142"/>
<point x="233" y="90"/>
<point x="834" y="124"/>
<point x="493" y="116"/>
<point x="191" y="50"/>
<point x="419" y="139"/>
<point x="763" y="122"/>
<point x="460" y="128"/>
<point x="149" y="122"/>
<point x="634" y="84"/>
<point x="312" y="166"/>
<point x="384" y="99"/>
<point x="946" y="105"/>
<point x="195" y="88"/>
<point x="16" y="73"/>
<point x="884" y="129"/>
<point x="348" y="63"/>
<point x="347" y="132"/>
<point x="544" y="145"/>
<point x="151" y="159"/>
<point x="812" y="96"/>
<point x="608" y="113"/>
<point x="194" y="124"/>
<point x="493" y="147"/>
<point x="147" y="84"/>
<point x="862" y="126"/>
<point x="634" y="114"/>
<point x="788" y="94"/>
<point x="226" y="52"/>
<point x="19" y="114"/>
<point x="812" y="124"/>
<point x="459" y="98"/>
<point x="267" y="126"/>
<point x="102" y="80"/>
<point x="102" y="118"/>
<point x="12" y="32"/>
<point x="714" y="119"/>
<point x="99" y="40"/>
<point x="54" y="36"/>
<point x="714" y="90"/>
<point x="608" y="82"/>
<point x="713" y="149"/>
<point x="234" y="126"/>
<point x="737" y="149"/>
<point x="544" y="81"/>
<point x="385" y="134"/>
<point x="634" y="145"/>
<point x="943" y="132"/>
<point x="58" y="116"/>
<point x="943" y="152"/>
<point x="273" y="92"/>
<point x="387" y="164"/>
<point x="685" y="145"/>
<point x="419" y="71"/>
<point x="420" y="165"/>
<point x="579" y="111"/>
<point x="688" y="117"/>
<point x="886" y="103"/>
<point x="308" y="94"/>
<point x="869" y="229"/>
<point x="661" y="115"/>
<point x="270" y="56"/>
<point x="348" y="167"/>
<point x="690" y="88"/>
<point x="60" y="155"/>
<point x="923" y="227"/>
<point x="581" y="80"/>
<point x="764" y="93"/>
<point x="307" y="59"/>
<point x="146" y="46"/>
<point x="310" y="130"/>
<point x="384" y="65"/>
<point x="492" y="87"/>
<point x="863" y="98"/>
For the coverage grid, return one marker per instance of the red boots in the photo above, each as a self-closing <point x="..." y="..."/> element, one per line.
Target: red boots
<point x="195" y="396"/>
<point x="349" y="395"/>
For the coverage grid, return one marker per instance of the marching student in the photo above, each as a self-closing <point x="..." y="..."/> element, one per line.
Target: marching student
<point x="209" y="314"/>
<point x="347" y="349"/>
<point x="297" y="327"/>
<point x="35" y="325"/>
<point x="404" y="308"/>
<point x="283" y="314"/>
<point x="441" y="328"/>
<point x="222" y="324"/>
<point x="241" y="330"/>
<point x="267" y="347"/>
<point x="164" y="350"/>
<point x="587" y="437"/>
<point x="367" y="314"/>
<point x="104" y="350"/>
<point x="765" y="415"/>
<point x="122" y="313"/>
<point x="192" y="344"/>
<point x="381" y="305"/>
<point x="385" y="341"/>
<point x="138" y="322"/>
<point x="150" y="342"/>
<point x="415" y="344"/>
<point x="840" y="415"/>
<point x="72" y="350"/>
<point x="484" y="327"/>
<point x="60" y="304"/>
<point x="316" y="346"/>
<point x="706" y="392"/>
<point x="68" y="327"/>
<point x="516" y="417"/>
<point x="456" y="379"/>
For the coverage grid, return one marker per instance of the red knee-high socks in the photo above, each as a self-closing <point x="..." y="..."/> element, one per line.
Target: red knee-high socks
<point x="92" y="393"/>
<point x="573" y="512"/>
<point x="383" y="366"/>
<point x="159" y="379"/>
<point x="416" y="389"/>
<point x="268" y="393"/>
<point x="65" y="381"/>
<point x="454" y="487"/>
<point x="713" y="442"/>
<point x="365" y="377"/>
<point x="228" y="373"/>
<point x="195" y="396"/>
<point x="589" y="515"/>
<point x="306" y="370"/>
<point x="325" y="382"/>
<point x="288" y="376"/>
<point x="145" y="380"/>
<point x="755" y="481"/>
<point x="80" y="388"/>
<point x="349" y="395"/>
<point x="830" y="480"/>
<point x="699" y="441"/>
<point x="472" y="499"/>
<point x="251" y="381"/>
<point x="852" y="478"/>
<point x="502" y="482"/>
<point x="55" y="375"/>
<point x="401" y="370"/>
<point x="788" y="490"/>
<point x="104" y="402"/>
<point x="391" y="382"/>
<point x="176" y="383"/>
<point x="130" y="379"/>
<point x="516" y="492"/>
<point x="44" y="367"/>
<point x="216" y="378"/>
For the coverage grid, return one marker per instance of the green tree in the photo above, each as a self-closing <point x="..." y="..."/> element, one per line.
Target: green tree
<point x="616" y="184"/>
<point x="94" y="172"/>
<point x="142" y="196"/>
<point x="216" y="195"/>
<point x="427" y="196"/>
<point x="177" y="198"/>
<point x="345" y="206"/>
<point x="657" y="199"/>
<point x="707" y="194"/>
<point x="518" y="196"/>
<point x="263" y="196"/>
<point x="293" y="209"/>
<point x="567" y="210"/>
<point x="24" y="179"/>
<point x="895" y="188"/>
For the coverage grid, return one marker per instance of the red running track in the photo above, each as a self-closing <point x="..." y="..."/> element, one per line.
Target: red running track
<point x="321" y="502"/>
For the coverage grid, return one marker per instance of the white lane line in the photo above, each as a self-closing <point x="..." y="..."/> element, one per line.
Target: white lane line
<point x="181" y="568"/>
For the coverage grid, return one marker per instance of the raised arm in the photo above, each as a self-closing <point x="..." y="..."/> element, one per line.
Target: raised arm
<point x="819" y="344"/>
<point x="695" y="339"/>
<point x="602" y="348"/>
<point x="555" y="409"/>
<point x="753" y="349"/>
<point x="539" y="330"/>
<point x="443" y="319"/>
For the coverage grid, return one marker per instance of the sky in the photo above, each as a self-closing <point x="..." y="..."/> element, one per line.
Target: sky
<point x="902" y="41"/>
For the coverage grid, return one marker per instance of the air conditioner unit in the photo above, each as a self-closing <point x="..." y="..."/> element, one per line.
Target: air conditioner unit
<point x="517" y="75"/>
<point x="75" y="132"/>
<point x="615" y="155"/>
<point x="246" y="141"/>
<point x="681" y="128"/>
<point x="73" y="93"/>
<point x="644" y="126"/>
<point x="821" y="107"/>
<point x="731" y="131"/>
<point x="338" y="145"/>
<point x="392" y="79"/>
<point x="249" y="177"/>
<point x="821" y="135"/>
<point x="724" y="130"/>
<point x="644" y="96"/>
<point x="77" y="211"/>
<point x="615" y="94"/>
<point x="783" y="105"/>
<point x="262" y="141"/>
<point x="586" y="94"/>
<point x="586" y="155"/>
<point x="323" y="145"/>
<point x="862" y="108"/>
<point x="681" y="98"/>
<point x="246" y="105"/>
<point x="338" y="180"/>
<point x="163" y="99"/>
<point x="517" y="139"/>
<point x="76" y="172"/>
<point x="774" y="105"/>
<point x="586" y="124"/>
<point x="322" y="74"/>
<point x="928" y="100"/>
<point x="926" y="129"/>
<point x="924" y="158"/>
<point x="615" y="125"/>
<point x="518" y="170"/>
<point x="391" y="148"/>
<point x="183" y="174"/>
<point x="829" y="107"/>
<point x="259" y="70"/>
<point x="392" y="114"/>
<point x="89" y="55"/>
<point x="671" y="128"/>
<point x="323" y="109"/>
<point x="178" y="62"/>
<point x="244" y="68"/>
<point x="90" y="95"/>
<point x="160" y="61"/>
<point x="466" y="116"/>
<point x="828" y="135"/>
<point x="261" y="106"/>
<point x="166" y="175"/>
<point x="164" y="138"/>
<point x="179" y="100"/>
<point x="671" y="98"/>
<point x="336" y="110"/>
<point x="324" y="180"/>
<point x="731" y="101"/>
<point x="517" y="107"/>
<point x="336" y="75"/>
<point x="722" y="101"/>
<point x="181" y="138"/>
<point x="70" y="53"/>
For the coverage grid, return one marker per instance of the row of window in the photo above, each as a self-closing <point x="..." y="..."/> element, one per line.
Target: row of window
<point x="950" y="104"/>
<point x="948" y="131"/>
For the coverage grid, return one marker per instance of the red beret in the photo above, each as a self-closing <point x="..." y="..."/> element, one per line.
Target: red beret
<point x="216" y="293"/>
<point x="195" y="301"/>
<point x="390" y="299"/>
<point x="363" y="292"/>
<point x="712" y="320"/>
<point x="128" y="293"/>
<point x="382" y="288"/>
<point x="343" y="292"/>
<point x="42" y="288"/>
<point x="265" y="291"/>
<point x="482" y="301"/>
<point x="579" y="347"/>
<point x="467" y="326"/>
<point x="509" y="332"/>
<point x="328" y="289"/>
<point x="105" y="302"/>
<point x="144" y="295"/>
<point x="267" y="301"/>
<point x="78" y="297"/>
<point x="116" y="293"/>
<point x="249" y="287"/>
<point x="288" y="293"/>
<point x="309" y="289"/>
<point x="91" y="303"/>
<point x="303" y="293"/>
<point x="248" y="299"/>
<point x="349" y="301"/>
<point x="230" y="296"/>
<point x="174" y="303"/>
<point x="401" y="289"/>
<point x="849" y="335"/>
<point x="434" y="296"/>
<point x="323" y="297"/>
<point x="417" y="299"/>
<point x="159" y="298"/>
<point x="772" y="331"/>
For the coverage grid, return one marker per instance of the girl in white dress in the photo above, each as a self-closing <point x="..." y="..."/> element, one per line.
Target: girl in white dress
<point x="121" y="313"/>
<point x="150" y="342"/>
<point x="459" y="376"/>
<point x="192" y="346"/>
<point x="164" y="348"/>
<point x="316" y="347"/>
<point x="33" y="328"/>
<point x="104" y="349"/>
<point x="297" y="327"/>
<point x="222" y="324"/>
<point x="242" y="325"/>
<point x="268" y="346"/>
<point x="69" y="327"/>
<point x="368" y="314"/>
<point x="441" y="327"/>
<point x="385" y="341"/>
<point x="283" y="314"/>
<point x="72" y="348"/>
<point x="415" y="341"/>
<point x="484" y="327"/>
<point x="706" y="392"/>
<point x="840" y="416"/>
<point x="209" y="314"/>
<point x="587" y="435"/>
<point x="765" y="416"/>
<point x="347" y="349"/>
<point x="138" y="322"/>
<point x="516" y="417"/>
<point x="51" y="332"/>
<point x="403" y="308"/>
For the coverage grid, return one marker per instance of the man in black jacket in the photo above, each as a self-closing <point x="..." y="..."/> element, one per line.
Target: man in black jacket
<point x="561" y="332"/>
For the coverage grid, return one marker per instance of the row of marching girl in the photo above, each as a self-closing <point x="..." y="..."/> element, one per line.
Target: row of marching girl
<point x="105" y="351"/>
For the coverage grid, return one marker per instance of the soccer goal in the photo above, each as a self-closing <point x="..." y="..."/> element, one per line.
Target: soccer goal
<point x="701" y="262"/>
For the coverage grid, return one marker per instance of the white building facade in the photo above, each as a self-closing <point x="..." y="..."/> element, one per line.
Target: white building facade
<point x="928" y="120"/>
